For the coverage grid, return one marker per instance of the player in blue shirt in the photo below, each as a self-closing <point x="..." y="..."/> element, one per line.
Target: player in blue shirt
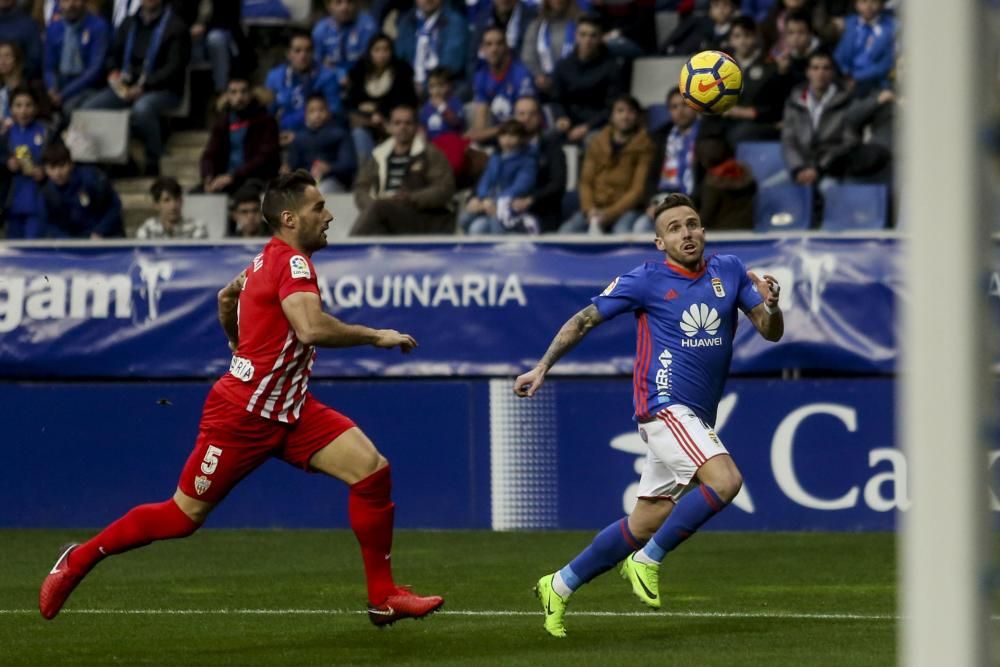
<point x="686" y="312"/>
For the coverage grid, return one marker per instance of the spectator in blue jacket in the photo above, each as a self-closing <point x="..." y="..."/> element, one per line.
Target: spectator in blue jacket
<point x="76" y="48"/>
<point x="295" y="81"/>
<point x="866" y="52"/>
<point x="18" y="27"/>
<point x="442" y="113"/>
<point x="26" y="138"/>
<point x="77" y="200"/>
<point x="431" y="36"/>
<point x="323" y="148"/>
<point x="342" y="38"/>
<point x="511" y="16"/>
<point x="500" y="81"/>
<point x="510" y="174"/>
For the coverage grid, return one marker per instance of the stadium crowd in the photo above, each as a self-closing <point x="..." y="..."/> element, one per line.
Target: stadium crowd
<point x="441" y="116"/>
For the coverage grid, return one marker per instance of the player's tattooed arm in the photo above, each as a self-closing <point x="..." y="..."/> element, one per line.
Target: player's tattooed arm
<point x="766" y="316"/>
<point x="569" y="335"/>
<point x="229" y="300"/>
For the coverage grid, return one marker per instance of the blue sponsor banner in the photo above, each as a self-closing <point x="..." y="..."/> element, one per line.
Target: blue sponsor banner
<point x="816" y="455"/>
<point x="476" y="309"/>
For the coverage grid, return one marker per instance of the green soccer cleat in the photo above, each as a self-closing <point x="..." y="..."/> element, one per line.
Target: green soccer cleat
<point x="645" y="580"/>
<point x="553" y="605"/>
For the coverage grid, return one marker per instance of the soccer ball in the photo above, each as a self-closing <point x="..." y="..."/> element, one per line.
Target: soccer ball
<point x="711" y="82"/>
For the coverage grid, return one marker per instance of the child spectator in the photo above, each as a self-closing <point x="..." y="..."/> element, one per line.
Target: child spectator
<point x="293" y="82"/>
<point x="699" y="32"/>
<point x="728" y="188"/>
<point x="26" y="138"/>
<point x="77" y="200"/>
<point x="613" y="179"/>
<point x="342" y="37"/>
<point x="323" y="148"/>
<point x="867" y="50"/>
<point x="800" y="43"/>
<point x="442" y="112"/>
<point x="246" y="220"/>
<point x="170" y="223"/>
<point x="510" y="174"/>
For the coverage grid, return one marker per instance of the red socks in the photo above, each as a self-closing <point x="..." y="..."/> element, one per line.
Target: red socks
<point x="140" y="526"/>
<point x="371" y="509"/>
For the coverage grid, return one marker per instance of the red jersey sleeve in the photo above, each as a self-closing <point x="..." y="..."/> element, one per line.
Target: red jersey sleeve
<point x="295" y="273"/>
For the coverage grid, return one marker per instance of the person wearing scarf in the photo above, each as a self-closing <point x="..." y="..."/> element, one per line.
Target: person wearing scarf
<point x="148" y="71"/>
<point x="293" y="82"/>
<point x="548" y="39"/>
<point x="429" y="36"/>
<point x="76" y="48"/>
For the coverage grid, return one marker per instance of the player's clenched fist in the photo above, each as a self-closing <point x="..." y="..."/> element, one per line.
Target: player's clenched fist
<point x="528" y="383"/>
<point x="390" y="338"/>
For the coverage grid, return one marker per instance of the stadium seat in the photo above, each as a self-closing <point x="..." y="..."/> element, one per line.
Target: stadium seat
<point x="99" y="135"/>
<point x="766" y="161"/>
<point x="652" y="78"/>
<point x="783" y="208"/>
<point x="572" y="153"/>
<point x="855" y="207"/>
<point x="299" y="12"/>
<point x="666" y="21"/>
<point x="656" y="117"/>
<point x="212" y="209"/>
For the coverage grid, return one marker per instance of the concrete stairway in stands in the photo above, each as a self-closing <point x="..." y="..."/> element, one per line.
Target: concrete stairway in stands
<point x="181" y="161"/>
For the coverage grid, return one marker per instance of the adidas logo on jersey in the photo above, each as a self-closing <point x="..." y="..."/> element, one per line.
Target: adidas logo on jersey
<point x="700" y="318"/>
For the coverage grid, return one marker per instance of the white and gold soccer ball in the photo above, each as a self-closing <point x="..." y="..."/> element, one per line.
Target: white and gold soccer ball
<point x="711" y="82"/>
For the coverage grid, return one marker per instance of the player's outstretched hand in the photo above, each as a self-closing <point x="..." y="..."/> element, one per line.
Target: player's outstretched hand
<point x="528" y="383"/>
<point x="390" y="338"/>
<point x="767" y="287"/>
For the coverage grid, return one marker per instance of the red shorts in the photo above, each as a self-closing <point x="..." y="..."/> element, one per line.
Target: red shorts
<point x="232" y="443"/>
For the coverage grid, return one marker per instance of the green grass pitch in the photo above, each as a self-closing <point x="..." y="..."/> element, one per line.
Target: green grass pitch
<point x="296" y="597"/>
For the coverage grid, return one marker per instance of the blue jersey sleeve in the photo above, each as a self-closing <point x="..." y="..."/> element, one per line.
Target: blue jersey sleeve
<point x="749" y="298"/>
<point x="623" y="295"/>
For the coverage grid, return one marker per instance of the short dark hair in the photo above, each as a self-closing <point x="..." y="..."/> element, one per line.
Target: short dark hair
<point x="442" y="74"/>
<point x="23" y="91"/>
<point x="299" y="33"/>
<point x="314" y="97"/>
<point x="676" y="90"/>
<point x="592" y="20"/>
<point x="493" y="28"/>
<point x="712" y="151"/>
<point x="800" y="17"/>
<point x="56" y="154"/>
<point x="630" y="101"/>
<point x="407" y="107"/>
<point x="511" y="126"/>
<point x="745" y="23"/>
<point x="673" y="200"/>
<point x="165" y="185"/>
<point x="247" y="193"/>
<point x="283" y="194"/>
<point x="825" y="55"/>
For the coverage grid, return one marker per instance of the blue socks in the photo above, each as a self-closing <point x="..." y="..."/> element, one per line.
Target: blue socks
<point x="692" y="511"/>
<point x="610" y="546"/>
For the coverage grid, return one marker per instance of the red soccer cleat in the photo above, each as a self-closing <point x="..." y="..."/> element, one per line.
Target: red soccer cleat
<point x="403" y="604"/>
<point x="58" y="585"/>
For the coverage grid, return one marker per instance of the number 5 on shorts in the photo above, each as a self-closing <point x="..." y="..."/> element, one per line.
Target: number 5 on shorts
<point x="211" y="460"/>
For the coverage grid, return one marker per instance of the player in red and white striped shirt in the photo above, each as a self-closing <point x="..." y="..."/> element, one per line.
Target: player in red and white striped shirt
<point x="262" y="408"/>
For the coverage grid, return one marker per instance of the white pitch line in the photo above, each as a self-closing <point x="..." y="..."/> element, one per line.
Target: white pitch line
<point x="470" y="612"/>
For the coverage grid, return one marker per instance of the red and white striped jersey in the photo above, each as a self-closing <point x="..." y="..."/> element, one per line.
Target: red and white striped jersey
<point x="269" y="373"/>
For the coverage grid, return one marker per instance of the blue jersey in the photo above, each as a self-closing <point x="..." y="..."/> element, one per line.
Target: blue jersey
<point x="501" y="93"/>
<point x="338" y="47"/>
<point x="685" y="323"/>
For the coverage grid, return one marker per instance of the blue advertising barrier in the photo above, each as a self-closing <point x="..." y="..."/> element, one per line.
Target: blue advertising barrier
<point x="476" y="309"/>
<point x="816" y="455"/>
